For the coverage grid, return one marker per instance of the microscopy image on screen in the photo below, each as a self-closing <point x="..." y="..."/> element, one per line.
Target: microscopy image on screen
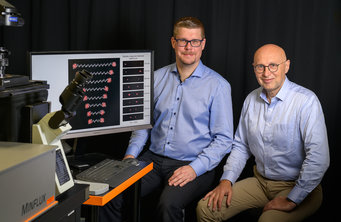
<point x="133" y="92"/>
<point x="95" y="110"/>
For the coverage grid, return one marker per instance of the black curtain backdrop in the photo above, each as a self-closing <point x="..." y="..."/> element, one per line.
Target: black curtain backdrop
<point x="309" y="31"/>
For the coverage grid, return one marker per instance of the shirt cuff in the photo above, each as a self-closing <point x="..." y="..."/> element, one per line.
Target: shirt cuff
<point x="132" y="150"/>
<point x="297" y="194"/>
<point x="229" y="175"/>
<point x="198" y="167"/>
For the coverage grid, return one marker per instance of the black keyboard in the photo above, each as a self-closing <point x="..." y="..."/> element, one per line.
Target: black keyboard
<point x="112" y="172"/>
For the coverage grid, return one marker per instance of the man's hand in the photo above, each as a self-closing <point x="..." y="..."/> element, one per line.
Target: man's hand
<point x="215" y="197"/>
<point x="182" y="176"/>
<point x="128" y="156"/>
<point x="280" y="203"/>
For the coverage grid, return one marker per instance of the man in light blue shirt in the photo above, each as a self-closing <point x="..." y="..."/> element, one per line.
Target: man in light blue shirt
<point x="193" y="127"/>
<point x="282" y="125"/>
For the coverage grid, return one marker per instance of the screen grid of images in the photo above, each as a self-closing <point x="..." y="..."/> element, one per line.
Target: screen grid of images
<point x="102" y="93"/>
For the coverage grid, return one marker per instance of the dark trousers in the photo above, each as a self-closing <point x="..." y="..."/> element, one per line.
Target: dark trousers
<point x="172" y="200"/>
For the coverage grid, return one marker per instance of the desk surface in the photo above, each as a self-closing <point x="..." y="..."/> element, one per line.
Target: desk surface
<point x="103" y="199"/>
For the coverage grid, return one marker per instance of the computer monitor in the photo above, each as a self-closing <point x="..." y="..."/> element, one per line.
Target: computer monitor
<point x="119" y="96"/>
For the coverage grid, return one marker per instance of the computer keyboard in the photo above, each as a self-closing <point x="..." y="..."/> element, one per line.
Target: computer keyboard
<point x="112" y="172"/>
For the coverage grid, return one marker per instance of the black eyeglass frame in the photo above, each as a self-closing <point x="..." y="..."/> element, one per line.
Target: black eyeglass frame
<point x="264" y="66"/>
<point x="188" y="41"/>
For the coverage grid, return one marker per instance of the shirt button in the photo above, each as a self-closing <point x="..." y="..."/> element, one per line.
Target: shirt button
<point x="174" y="114"/>
<point x="171" y="128"/>
<point x="168" y="142"/>
<point x="177" y="98"/>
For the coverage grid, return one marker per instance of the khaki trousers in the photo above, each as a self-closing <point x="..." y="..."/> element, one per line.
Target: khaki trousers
<point x="255" y="192"/>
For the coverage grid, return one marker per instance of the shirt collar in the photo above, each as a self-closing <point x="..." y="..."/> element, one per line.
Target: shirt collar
<point x="198" y="72"/>
<point x="282" y="93"/>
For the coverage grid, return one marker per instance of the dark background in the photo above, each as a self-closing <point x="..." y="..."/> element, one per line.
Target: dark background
<point x="309" y="31"/>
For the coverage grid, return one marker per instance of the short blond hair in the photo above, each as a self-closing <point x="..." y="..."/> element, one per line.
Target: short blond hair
<point x="190" y="23"/>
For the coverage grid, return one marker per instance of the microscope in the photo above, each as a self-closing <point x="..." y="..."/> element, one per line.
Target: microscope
<point x="53" y="126"/>
<point x="9" y="16"/>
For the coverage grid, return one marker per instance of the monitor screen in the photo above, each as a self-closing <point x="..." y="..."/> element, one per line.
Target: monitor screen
<point x="118" y="98"/>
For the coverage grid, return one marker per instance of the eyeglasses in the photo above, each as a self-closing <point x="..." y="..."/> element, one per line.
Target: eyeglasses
<point x="184" y="42"/>
<point x="273" y="67"/>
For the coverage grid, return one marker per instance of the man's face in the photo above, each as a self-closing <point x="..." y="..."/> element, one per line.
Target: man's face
<point x="271" y="81"/>
<point x="188" y="55"/>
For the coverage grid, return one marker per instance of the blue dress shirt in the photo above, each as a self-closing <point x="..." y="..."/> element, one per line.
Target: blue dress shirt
<point x="288" y="138"/>
<point x="193" y="119"/>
